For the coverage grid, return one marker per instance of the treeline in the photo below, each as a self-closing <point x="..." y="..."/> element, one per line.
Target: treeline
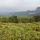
<point x="11" y="19"/>
<point x="17" y="19"/>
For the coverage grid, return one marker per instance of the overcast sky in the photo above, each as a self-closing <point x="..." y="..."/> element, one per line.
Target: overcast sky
<point x="19" y="4"/>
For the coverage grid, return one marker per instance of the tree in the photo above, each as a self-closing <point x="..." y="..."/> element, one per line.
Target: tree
<point x="13" y="19"/>
<point x="36" y="18"/>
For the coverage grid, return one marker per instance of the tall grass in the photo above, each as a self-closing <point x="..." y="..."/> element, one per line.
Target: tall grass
<point x="19" y="31"/>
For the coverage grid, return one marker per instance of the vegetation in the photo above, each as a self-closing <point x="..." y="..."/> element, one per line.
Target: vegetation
<point x="19" y="31"/>
<point x="18" y="19"/>
<point x="20" y="28"/>
<point x="13" y="19"/>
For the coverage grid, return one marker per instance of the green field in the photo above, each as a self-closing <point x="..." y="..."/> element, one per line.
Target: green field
<point x="20" y="31"/>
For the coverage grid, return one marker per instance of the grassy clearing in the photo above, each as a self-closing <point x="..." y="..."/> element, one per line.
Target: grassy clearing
<point x="20" y="31"/>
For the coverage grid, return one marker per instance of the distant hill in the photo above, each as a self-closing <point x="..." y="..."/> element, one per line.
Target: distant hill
<point x="22" y="13"/>
<point x="28" y="13"/>
<point x="37" y="11"/>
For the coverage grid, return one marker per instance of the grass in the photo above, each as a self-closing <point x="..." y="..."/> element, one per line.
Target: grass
<point x="20" y="31"/>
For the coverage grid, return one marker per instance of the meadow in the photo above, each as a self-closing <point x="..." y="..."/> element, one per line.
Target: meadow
<point x="21" y="30"/>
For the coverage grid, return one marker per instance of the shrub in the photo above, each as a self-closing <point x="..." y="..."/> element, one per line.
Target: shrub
<point x="36" y="18"/>
<point x="13" y="19"/>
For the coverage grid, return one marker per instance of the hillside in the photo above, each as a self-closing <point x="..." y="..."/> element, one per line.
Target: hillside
<point x="28" y="13"/>
<point x="22" y="13"/>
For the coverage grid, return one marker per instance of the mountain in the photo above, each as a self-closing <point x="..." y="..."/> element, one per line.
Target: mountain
<point x="21" y="13"/>
<point x="37" y="11"/>
<point x="28" y="12"/>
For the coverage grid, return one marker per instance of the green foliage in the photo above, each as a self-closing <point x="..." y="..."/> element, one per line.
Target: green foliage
<point x="29" y="19"/>
<point x="13" y="19"/>
<point x="24" y="19"/>
<point x="20" y="28"/>
<point x="20" y="31"/>
<point x="4" y="19"/>
<point x="36" y="18"/>
<point x="20" y="19"/>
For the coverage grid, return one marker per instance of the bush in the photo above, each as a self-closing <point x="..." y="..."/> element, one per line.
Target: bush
<point x="23" y="19"/>
<point x="3" y="19"/>
<point x="13" y="19"/>
<point x="36" y="18"/>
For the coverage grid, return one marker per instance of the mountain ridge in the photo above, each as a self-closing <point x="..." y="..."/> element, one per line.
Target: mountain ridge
<point x="22" y="13"/>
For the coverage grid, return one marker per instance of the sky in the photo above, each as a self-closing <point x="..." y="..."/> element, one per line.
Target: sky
<point x="19" y="5"/>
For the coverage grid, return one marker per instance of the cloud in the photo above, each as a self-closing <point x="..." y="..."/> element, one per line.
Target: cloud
<point x="36" y="3"/>
<point x="19" y="4"/>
